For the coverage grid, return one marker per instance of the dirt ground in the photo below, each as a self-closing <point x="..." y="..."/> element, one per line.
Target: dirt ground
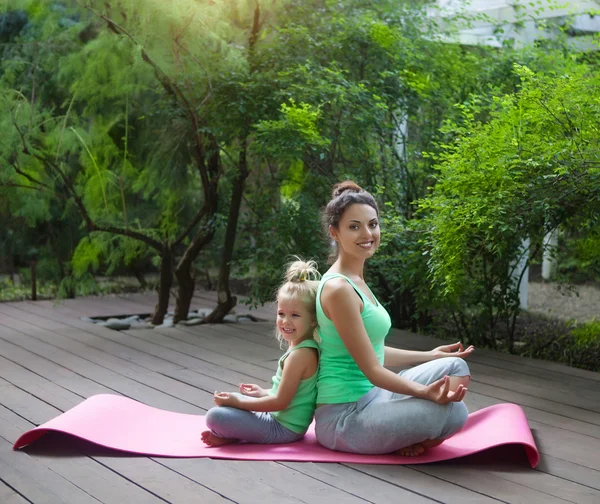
<point x="582" y="303"/>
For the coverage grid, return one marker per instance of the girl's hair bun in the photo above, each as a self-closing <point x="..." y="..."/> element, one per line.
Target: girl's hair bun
<point x="301" y="271"/>
<point x="346" y="186"/>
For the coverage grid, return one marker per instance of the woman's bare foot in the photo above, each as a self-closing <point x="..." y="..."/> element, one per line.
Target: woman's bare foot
<point x="417" y="449"/>
<point x="211" y="440"/>
<point x="432" y="443"/>
<point x="414" y="450"/>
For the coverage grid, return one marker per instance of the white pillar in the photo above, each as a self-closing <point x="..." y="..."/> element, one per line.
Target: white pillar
<point x="549" y="262"/>
<point x="401" y="131"/>
<point x="520" y="270"/>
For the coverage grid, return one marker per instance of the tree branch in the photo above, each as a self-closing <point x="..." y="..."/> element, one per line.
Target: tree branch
<point x="197" y="218"/>
<point x="172" y="89"/>
<point x="23" y="186"/>
<point x="29" y="177"/>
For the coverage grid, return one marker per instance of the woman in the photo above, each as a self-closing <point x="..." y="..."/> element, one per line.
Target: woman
<point x="362" y="406"/>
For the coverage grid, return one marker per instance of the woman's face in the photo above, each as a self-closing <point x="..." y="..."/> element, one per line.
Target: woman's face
<point x="358" y="231"/>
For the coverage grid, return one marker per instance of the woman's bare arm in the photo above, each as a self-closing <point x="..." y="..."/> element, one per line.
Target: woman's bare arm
<point x="343" y="307"/>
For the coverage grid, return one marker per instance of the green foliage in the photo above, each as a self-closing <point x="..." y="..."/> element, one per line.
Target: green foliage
<point x="287" y="227"/>
<point x="291" y="136"/>
<point x="587" y="334"/>
<point x="399" y="272"/>
<point x="527" y="170"/>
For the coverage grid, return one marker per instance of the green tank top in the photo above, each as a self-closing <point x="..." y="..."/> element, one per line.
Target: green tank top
<point x="299" y="413"/>
<point x="340" y="379"/>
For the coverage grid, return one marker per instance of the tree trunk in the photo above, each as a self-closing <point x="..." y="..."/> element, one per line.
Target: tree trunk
<point x="186" y="277"/>
<point x="204" y="235"/>
<point x="226" y="301"/>
<point x="164" y="287"/>
<point x="32" y="269"/>
<point x="186" y="281"/>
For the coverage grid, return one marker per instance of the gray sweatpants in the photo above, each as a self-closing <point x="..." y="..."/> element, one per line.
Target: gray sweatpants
<point x="382" y="421"/>
<point x="250" y="426"/>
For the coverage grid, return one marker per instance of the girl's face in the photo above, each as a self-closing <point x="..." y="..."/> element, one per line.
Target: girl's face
<point x="294" y="321"/>
<point x="358" y="232"/>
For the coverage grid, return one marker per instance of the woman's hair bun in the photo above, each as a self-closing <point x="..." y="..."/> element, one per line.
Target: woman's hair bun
<point x="346" y="186"/>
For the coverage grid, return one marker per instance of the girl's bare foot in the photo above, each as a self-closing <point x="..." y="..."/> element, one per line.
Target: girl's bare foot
<point x="211" y="440"/>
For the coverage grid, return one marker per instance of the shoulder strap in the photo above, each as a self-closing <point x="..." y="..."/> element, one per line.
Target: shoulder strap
<point x="310" y="343"/>
<point x="329" y="276"/>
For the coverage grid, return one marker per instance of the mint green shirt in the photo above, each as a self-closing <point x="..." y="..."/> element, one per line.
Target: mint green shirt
<point x="299" y="413"/>
<point x="340" y="379"/>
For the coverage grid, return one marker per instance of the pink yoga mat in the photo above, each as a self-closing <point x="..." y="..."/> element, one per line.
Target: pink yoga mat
<point x="126" y="425"/>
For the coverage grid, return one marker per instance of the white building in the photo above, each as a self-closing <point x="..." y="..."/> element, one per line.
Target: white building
<point x="522" y="22"/>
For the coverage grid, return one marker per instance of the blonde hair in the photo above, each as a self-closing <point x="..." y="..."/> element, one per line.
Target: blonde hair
<point x="301" y="283"/>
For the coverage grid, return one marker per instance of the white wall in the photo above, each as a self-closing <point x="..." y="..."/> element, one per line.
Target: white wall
<point x="503" y="14"/>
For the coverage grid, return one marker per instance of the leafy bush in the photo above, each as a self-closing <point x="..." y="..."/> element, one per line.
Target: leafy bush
<point x="587" y="334"/>
<point x="527" y="170"/>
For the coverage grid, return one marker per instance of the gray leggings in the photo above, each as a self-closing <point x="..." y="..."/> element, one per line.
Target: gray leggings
<point x="250" y="426"/>
<point x="382" y="421"/>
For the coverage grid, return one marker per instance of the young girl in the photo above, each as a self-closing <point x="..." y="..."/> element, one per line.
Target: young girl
<point x="283" y="413"/>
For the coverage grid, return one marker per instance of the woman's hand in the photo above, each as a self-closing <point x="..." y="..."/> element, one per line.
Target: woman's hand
<point x="453" y="350"/>
<point x="439" y="392"/>
<point x="226" y="399"/>
<point x="252" y="390"/>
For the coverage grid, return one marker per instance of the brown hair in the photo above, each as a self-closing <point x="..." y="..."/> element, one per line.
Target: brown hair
<point x="343" y="195"/>
<point x="301" y="283"/>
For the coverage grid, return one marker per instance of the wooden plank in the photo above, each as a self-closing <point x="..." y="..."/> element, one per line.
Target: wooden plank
<point x="135" y="388"/>
<point x="134" y="346"/>
<point x="8" y="495"/>
<point x="535" y="402"/>
<point x="488" y="483"/>
<point x="431" y="342"/>
<point x="570" y="471"/>
<point x="208" y="299"/>
<point x="44" y="390"/>
<point x="406" y="477"/>
<point x="179" y="346"/>
<point x="267" y="482"/>
<point x="91" y="335"/>
<point x="402" y="487"/>
<point x="36" y="482"/>
<point x="40" y="370"/>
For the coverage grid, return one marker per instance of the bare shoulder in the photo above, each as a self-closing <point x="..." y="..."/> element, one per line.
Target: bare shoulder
<point x="339" y="296"/>
<point x="304" y="360"/>
<point x="336" y="288"/>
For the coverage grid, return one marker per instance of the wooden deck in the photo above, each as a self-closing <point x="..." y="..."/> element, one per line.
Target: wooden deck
<point x="50" y="361"/>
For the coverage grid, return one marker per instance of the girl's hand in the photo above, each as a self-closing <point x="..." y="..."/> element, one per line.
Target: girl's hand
<point x="453" y="350"/>
<point x="226" y="399"/>
<point x="439" y="392"/>
<point x="252" y="390"/>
